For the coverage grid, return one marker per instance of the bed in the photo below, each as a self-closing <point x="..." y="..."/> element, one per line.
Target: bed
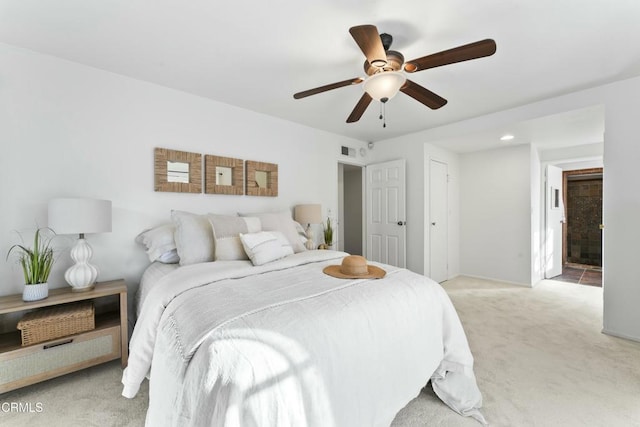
<point x="229" y="343"/>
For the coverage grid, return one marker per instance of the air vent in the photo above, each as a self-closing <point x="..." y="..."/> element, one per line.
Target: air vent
<point x="348" y="151"/>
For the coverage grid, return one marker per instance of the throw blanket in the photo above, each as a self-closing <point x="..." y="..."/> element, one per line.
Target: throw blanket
<point x="229" y="344"/>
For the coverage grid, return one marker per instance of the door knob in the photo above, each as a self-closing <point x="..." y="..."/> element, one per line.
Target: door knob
<point x="401" y="223"/>
<point x="433" y="223"/>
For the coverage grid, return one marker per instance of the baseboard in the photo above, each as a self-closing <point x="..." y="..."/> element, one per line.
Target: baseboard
<point x="619" y="335"/>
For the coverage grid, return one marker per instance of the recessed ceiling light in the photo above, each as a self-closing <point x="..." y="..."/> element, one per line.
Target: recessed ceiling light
<point x="507" y="137"/>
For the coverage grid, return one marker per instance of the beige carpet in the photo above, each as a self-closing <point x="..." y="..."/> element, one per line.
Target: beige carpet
<point x="540" y="361"/>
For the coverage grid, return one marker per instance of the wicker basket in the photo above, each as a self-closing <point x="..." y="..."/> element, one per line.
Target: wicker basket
<point x="51" y="323"/>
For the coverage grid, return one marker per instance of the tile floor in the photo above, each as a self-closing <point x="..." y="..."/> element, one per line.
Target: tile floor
<point x="581" y="274"/>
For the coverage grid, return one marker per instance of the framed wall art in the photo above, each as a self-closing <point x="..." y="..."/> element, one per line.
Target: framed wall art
<point x="261" y="179"/>
<point x="223" y="175"/>
<point x="177" y="171"/>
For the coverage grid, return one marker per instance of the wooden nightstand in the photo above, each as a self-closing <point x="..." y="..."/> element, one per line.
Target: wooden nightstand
<point x="25" y="365"/>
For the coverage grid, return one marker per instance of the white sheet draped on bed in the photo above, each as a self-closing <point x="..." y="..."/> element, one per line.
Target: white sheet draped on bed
<point x="283" y="344"/>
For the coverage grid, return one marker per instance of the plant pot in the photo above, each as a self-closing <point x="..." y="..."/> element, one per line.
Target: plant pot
<point x="35" y="292"/>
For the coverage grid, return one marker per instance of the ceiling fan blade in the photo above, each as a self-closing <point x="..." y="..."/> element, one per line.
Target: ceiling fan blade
<point x="368" y="39"/>
<point x="466" y="52"/>
<point x="361" y="106"/>
<point x="423" y="95"/>
<point x="325" y="88"/>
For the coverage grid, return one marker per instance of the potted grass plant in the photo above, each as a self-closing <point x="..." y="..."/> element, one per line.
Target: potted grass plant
<point x="36" y="262"/>
<point x="328" y="234"/>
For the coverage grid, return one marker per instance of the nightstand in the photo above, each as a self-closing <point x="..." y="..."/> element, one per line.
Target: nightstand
<point x="24" y="365"/>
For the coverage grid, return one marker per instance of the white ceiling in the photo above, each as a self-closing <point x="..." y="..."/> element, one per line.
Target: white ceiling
<point x="256" y="55"/>
<point x="568" y="129"/>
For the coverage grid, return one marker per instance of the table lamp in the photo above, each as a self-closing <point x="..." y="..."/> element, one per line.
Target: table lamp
<point x="308" y="214"/>
<point x="80" y="216"/>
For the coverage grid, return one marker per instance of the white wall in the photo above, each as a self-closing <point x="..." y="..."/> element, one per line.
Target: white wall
<point x="621" y="210"/>
<point x="585" y="152"/>
<point x="495" y="214"/>
<point x="71" y="130"/>
<point x="537" y="217"/>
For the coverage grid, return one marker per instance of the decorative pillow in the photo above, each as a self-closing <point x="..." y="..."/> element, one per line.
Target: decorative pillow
<point x="160" y="243"/>
<point x="194" y="237"/>
<point x="265" y="246"/>
<point x="226" y="235"/>
<point x="282" y="222"/>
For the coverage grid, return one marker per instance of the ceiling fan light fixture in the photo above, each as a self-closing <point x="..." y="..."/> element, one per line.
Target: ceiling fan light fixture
<point x="384" y="85"/>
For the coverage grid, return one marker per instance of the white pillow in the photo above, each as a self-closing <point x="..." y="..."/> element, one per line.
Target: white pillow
<point x="265" y="246"/>
<point x="194" y="237"/>
<point x="226" y="235"/>
<point x="282" y="222"/>
<point x="160" y="243"/>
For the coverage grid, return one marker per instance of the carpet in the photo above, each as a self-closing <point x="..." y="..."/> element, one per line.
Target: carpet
<point x="541" y="360"/>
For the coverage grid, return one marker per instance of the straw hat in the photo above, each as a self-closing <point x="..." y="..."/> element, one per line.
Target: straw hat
<point x="354" y="267"/>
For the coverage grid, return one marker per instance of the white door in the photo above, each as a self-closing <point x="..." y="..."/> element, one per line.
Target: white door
<point x="438" y="224"/>
<point x="554" y="217"/>
<point x="386" y="231"/>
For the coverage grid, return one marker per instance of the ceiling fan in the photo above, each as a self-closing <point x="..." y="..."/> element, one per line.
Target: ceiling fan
<point x="385" y="67"/>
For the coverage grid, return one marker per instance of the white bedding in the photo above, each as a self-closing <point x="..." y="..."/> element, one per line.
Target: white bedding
<point x="283" y="344"/>
<point x="149" y="279"/>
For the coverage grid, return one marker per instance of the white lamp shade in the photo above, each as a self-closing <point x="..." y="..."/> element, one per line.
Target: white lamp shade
<point x="384" y="85"/>
<point x="308" y="214"/>
<point x="79" y="216"/>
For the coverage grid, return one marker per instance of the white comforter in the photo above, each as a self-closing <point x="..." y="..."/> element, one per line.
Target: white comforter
<point x="283" y="344"/>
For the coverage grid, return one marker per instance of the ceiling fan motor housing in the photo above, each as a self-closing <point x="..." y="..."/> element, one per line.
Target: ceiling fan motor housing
<point x="394" y="63"/>
<point x="386" y="39"/>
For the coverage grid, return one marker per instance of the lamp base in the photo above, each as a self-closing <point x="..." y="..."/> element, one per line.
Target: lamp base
<point x="310" y="244"/>
<point x="81" y="276"/>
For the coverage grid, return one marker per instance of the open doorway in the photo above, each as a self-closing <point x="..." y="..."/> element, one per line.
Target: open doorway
<point x="350" y="208"/>
<point x="582" y="230"/>
<point x="580" y="235"/>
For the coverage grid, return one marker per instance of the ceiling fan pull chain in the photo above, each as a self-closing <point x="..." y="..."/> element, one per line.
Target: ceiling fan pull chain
<point x="384" y="121"/>
<point x="383" y="113"/>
